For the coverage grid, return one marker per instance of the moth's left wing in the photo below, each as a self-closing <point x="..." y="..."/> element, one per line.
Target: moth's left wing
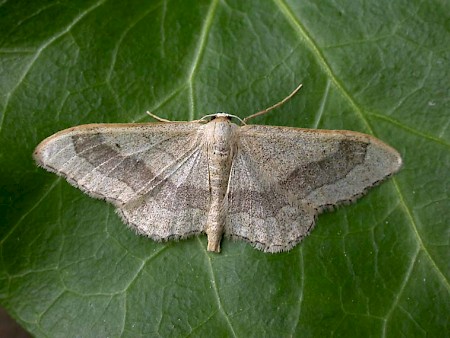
<point x="156" y="174"/>
<point x="308" y="170"/>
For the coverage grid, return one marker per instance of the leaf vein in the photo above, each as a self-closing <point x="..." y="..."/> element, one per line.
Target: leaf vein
<point x="199" y="53"/>
<point x="39" y="52"/>
<point x="321" y="60"/>
<point x="216" y="293"/>
<point x="413" y="224"/>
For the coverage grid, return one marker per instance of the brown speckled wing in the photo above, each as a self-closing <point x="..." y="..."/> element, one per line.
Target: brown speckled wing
<point x="155" y="174"/>
<point x="282" y="178"/>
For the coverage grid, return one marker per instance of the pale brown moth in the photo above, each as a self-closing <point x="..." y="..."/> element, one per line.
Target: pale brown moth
<point x="263" y="184"/>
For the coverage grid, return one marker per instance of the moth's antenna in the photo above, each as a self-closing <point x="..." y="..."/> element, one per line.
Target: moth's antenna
<point x="160" y="119"/>
<point x="276" y="105"/>
<point x="157" y="118"/>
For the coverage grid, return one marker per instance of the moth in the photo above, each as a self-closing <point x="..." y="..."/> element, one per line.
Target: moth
<point x="262" y="184"/>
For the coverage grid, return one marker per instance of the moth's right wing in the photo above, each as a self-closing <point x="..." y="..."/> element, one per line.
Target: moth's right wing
<point x="282" y="178"/>
<point x="260" y="211"/>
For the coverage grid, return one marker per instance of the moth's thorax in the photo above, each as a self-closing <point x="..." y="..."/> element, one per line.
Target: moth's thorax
<point x="221" y="136"/>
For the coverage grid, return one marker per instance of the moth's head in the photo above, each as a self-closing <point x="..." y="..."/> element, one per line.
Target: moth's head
<point x="222" y="114"/>
<point x="225" y="115"/>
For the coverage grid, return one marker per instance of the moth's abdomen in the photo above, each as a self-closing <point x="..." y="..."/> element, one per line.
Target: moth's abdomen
<point x="221" y="138"/>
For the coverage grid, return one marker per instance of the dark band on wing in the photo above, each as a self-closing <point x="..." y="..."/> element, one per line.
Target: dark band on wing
<point x="135" y="174"/>
<point x="259" y="204"/>
<point x="300" y="182"/>
<point x="334" y="167"/>
<point x="110" y="162"/>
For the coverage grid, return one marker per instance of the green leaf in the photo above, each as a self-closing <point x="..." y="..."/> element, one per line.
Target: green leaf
<point x="379" y="267"/>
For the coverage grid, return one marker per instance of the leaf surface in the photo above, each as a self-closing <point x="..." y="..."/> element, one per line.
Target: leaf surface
<point x="69" y="266"/>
